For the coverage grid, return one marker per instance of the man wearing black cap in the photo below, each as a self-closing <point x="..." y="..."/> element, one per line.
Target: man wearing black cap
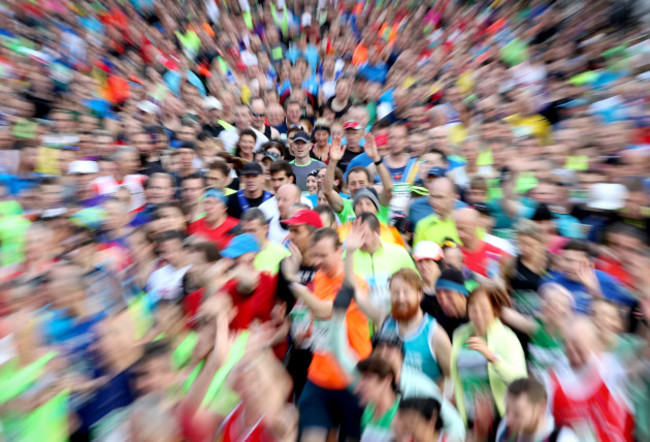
<point x="253" y="193"/>
<point x="303" y="164"/>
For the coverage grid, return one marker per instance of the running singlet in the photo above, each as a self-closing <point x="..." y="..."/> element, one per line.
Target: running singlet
<point x="597" y="416"/>
<point x="233" y="429"/>
<point x="107" y="185"/>
<point x="417" y="345"/>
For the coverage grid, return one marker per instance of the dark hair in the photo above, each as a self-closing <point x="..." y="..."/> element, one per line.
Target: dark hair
<point x="255" y="214"/>
<point x="579" y="245"/>
<point x="159" y="175"/>
<point x="327" y="232"/>
<point x="621" y="228"/>
<point x="496" y="295"/>
<point x="209" y="249"/>
<point x="374" y="364"/>
<point x="250" y="132"/>
<point x="289" y="102"/>
<point x="193" y="176"/>
<point x="531" y="387"/>
<point x="220" y="166"/>
<point x="281" y="166"/>
<point x="323" y="209"/>
<point x="170" y="235"/>
<point x="274" y="144"/>
<point x="154" y="350"/>
<point x="360" y="169"/>
<point x="542" y="213"/>
<point x="425" y="407"/>
<point x="371" y="220"/>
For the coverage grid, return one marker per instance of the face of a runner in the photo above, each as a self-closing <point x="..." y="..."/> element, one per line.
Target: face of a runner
<point x="326" y="256"/>
<point x="522" y="415"/>
<point x="404" y="300"/>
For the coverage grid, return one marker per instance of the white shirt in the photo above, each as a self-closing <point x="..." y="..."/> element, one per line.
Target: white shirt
<point x="277" y="233"/>
<point x="166" y="282"/>
<point x="108" y="185"/>
<point x="231" y="136"/>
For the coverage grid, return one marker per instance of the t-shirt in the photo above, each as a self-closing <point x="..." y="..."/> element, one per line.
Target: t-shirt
<point x="324" y="369"/>
<point x="220" y="235"/>
<point x="420" y="209"/>
<point x="268" y="259"/>
<point x="302" y="171"/>
<point x="348" y="156"/>
<point x="432" y="228"/>
<point x="253" y="307"/>
<point x="235" y="208"/>
<point x="377" y="268"/>
<point x="108" y="185"/>
<point x="484" y="260"/>
<point x="378" y="430"/>
<point x="166" y="283"/>
<point x="347" y="213"/>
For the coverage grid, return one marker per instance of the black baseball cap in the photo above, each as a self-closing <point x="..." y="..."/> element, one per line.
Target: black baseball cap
<point x="251" y="168"/>
<point x="390" y="339"/>
<point x="301" y="135"/>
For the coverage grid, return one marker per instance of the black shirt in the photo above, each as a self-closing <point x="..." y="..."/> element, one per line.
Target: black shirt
<point x="348" y="156"/>
<point x="339" y="114"/>
<point x="213" y="130"/>
<point x="430" y="306"/>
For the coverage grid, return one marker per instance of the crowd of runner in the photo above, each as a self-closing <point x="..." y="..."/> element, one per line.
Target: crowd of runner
<point x="324" y="221"/>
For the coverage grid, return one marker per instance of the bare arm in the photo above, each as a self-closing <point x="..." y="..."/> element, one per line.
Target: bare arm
<point x="320" y="308"/>
<point x="518" y="321"/>
<point x="333" y="198"/>
<point x="442" y="348"/>
<point x="370" y="148"/>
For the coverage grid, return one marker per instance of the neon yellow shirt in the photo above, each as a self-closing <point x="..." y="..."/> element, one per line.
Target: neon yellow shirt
<point x="432" y="228"/>
<point x="268" y="260"/>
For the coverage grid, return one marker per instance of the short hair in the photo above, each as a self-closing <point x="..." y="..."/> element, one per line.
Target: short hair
<point x="496" y="295"/>
<point x="531" y="387"/>
<point x="324" y="233"/>
<point x="410" y="277"/>
<point x="579" y="245"/>
<point x="209" y="249"/>
<point x="281" y="166"/>
<point x="356" y="169"/>
<point x="323" y="209"/>
<point x="250" y="132"/>
<point x="255" y="214"/>
<point x="526" y="227"/>
<point x="161" y="175"/>
<point x="425" y="406"/>
<point x="220" y="166"/>
<point x="371" y="220"/>
<point x="274" y="144"/>
<point x="621" y="228"/>
<point x="166" y="205"/>
<point x="438" y="151"/>
<point x="376" y="365"/>
<point x="170" y="235"/>
<point x="154" y="350"/>
<point x="478" y="182"/>
<point x="289" y="102"/>
<point x="193" y="176"/>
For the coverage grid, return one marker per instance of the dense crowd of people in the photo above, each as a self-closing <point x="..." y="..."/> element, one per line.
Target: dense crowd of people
<point x="324" y="220"/>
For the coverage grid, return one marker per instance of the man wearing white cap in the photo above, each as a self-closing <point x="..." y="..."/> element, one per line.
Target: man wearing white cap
<point x="214" y="125"/>
<point x="83" y="172"/>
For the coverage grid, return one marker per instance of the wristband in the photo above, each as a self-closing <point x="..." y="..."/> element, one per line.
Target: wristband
<point x="378" y="162"/>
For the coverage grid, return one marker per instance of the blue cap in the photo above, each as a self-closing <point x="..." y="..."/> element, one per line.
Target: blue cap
<point x="240" y="245"/>
<point x="436" y="171"/>
<point x="216" y="193"/>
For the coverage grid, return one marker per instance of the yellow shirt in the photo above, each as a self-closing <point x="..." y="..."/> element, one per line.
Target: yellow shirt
<point x="535" y="124"/>
<point x="432" y="228"/>
<point x="268" y="260"/>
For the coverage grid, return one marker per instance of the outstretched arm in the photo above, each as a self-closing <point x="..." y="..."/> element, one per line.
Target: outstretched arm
<point x="336" y="153"/>
<point x="370" y="148"/>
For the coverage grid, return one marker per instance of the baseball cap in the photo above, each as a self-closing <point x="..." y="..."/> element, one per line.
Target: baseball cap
<point x="240" y="245"/>
<point x="321" y="124"/>
<point x="351" y="124"/>
<point x="251" y="168"/>
<point x="452" y="279"/>
<point x="301" y="135"/>
<point x="482" y="208"/>
<point x="388" y="338"/>
<point x="273" y="156"/>
<point x="210" y="103"/>
<point x="436" y="171"/>
<point x="427" y="250"/>
<point x="186" y="145"/>
<point x="607" y="196"/>
<point x="366" y="192"/>
<point x="82" y="167"/>
<point x="304" y="217"/>
<point x="216" y="193"/>
<point x="148" y="107"/>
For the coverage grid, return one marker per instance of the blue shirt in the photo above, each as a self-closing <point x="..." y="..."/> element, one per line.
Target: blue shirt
<point x="18" y="183"/>
<point x="376" y="73"/>
<point x="420" y="208"/>
<point x="610" y="287"/>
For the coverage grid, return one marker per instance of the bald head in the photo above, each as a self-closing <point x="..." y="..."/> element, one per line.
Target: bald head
<point x="441" y="192"/>
<point x="288" y="194"/>
<point x="466" y="225"/>
<point x="439" y="138"/>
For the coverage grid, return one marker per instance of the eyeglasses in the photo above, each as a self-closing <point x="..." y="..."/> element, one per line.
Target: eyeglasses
<point x="256" y="115"/>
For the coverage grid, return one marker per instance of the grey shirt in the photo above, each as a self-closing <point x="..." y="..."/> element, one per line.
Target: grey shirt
<point x="301" y="172"/>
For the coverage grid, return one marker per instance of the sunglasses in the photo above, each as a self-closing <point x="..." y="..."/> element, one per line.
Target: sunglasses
<point x="256" y="115"/>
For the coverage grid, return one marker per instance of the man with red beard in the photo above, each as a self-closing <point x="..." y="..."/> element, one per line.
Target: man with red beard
<point x="427" y="346"/>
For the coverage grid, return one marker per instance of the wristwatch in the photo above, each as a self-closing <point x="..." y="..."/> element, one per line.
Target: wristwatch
<point x="378" y="162"/>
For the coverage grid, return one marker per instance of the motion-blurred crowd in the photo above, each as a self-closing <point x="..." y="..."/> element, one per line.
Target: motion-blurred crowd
<point x="324" y="220"/>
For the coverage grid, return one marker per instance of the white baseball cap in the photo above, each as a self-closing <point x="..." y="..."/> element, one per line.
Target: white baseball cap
<point x="607" y="196"/>
<point x="82" y="167"/>
<point x="210" y="103"/>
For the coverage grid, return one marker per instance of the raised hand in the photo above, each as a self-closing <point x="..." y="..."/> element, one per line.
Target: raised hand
<point x="370" y="147"/>
<point x="291" y="264"/>
<point x="587" y="276"/>
<point x="336" y="150"/>
<point x="356" y="238"/>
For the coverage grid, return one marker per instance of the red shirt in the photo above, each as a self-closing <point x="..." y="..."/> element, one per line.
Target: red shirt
<point x="256" y="306"/>
<point x="614" y="268"/>
<point x="220" y="236"/>
<point x="478" y="260"/>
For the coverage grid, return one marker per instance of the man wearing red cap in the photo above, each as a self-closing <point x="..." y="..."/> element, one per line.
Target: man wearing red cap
<point x="302" y="226"/>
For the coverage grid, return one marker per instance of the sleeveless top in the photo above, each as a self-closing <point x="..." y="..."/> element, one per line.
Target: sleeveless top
<point x="417" y="346"/>
<point x="598" y="415"/>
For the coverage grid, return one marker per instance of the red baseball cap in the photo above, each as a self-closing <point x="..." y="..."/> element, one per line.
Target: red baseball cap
<point x="352" y="125"/>
<point x="302" y="217"/>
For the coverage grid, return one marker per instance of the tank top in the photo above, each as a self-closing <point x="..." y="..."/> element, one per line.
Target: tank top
<point x="417" y="346"/>
<point x="594" y="416"/>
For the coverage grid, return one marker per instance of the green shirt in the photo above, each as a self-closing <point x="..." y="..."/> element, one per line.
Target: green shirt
<point x="268" y="260"/>
<point x="347" y="213"/>
<point x="378" y="430"/>
<point x="432" y="228"/>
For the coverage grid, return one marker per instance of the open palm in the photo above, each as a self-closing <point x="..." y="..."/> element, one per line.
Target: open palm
<point x="336" y="150"/>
